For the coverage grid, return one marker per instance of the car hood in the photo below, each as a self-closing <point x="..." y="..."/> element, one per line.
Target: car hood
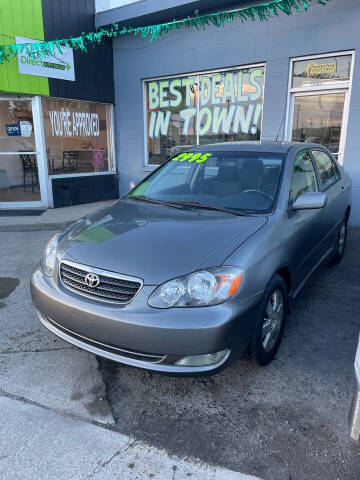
<point x="156" y="242"/>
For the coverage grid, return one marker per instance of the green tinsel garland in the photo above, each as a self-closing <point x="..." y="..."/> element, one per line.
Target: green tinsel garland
<point x="262" y="11"/>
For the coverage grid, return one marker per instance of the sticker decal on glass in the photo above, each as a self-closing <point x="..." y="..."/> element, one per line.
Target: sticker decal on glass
<point x="192" y="157"/>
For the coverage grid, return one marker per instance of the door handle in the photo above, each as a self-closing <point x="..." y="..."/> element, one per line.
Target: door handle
<point x="342" y="189"/>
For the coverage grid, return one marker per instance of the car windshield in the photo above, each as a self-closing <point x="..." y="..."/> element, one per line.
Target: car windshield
<point x="244" y="182"/>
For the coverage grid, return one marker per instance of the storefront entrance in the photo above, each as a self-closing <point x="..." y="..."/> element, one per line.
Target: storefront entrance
<point x="22" y="179"/>
<point x="319" y="101"/>
<point x="55" y="152"/>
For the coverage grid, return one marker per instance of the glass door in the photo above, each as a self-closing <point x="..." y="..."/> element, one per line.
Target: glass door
<point x="21" y="179"/>
<point x="318" y="117"/>
<point x="319" y="97"/>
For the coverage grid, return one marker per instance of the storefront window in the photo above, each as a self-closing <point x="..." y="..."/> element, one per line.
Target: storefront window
<point x="171" y="107"/>
<point x="201" y="109"/>
<point x="319" y="100"/>
<point x="321" y="71"/>
<point x="318" y="119"/>
<point x="78" y="136"/>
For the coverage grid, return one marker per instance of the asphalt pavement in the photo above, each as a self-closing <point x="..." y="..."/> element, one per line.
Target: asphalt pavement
<point x="287" y="421"/>
<point x="64" y="414"/>
<point x="55" y="419"/>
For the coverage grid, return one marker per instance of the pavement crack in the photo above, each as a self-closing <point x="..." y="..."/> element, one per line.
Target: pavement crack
<point x="74" y="416"/>
<point x="35" y="350"/>
<point x="101" y="465"/>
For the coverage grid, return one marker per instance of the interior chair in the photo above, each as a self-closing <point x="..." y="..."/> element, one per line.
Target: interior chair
<point x="70" y="161"/>
<point x="270" y="180"/>
<point x="4" y="182"/>
<point x="30" y="170"/>
<point x="226" y="182"/>
<point x="252" y="173"/>
<point x="302" y="181"/>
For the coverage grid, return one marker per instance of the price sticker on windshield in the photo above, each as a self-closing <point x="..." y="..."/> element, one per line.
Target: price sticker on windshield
<point x="192" y="157"/>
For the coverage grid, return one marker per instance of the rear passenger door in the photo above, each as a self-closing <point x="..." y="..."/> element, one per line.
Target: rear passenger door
<point x="330" y="183"/>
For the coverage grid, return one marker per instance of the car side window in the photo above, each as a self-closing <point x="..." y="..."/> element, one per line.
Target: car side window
<point x="328" y="171"/>
<point x="303" y="178"/>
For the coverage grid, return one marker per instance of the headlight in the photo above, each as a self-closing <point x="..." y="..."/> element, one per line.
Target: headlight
<point x="50" y="253"/>
<point x="203" y="288"/>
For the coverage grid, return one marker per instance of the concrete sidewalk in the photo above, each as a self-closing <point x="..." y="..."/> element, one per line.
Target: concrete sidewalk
<point x="41" y="444"/>
<point x="51" y="219"/>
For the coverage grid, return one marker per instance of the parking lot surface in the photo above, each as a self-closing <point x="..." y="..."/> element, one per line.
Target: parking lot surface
<point x="288" y="420"/>
<point x="55" y="420"/>
<point x="61" y="417"/>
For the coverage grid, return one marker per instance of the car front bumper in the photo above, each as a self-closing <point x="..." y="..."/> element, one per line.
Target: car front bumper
<point x="143" y="336"/>
<point x="355" y="408"/>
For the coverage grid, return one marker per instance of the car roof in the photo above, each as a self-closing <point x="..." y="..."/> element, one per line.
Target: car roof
<point x="254" y="146"/>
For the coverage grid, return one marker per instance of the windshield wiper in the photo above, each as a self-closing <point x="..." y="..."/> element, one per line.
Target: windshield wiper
<point x="153" y="200"/>
<point x="208" y="207"/>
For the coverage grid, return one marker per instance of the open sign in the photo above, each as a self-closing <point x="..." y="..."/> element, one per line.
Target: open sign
<point x="13" y="129"/>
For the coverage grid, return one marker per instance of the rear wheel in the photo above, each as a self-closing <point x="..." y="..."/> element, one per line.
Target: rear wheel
<point x="340" y="242"/>
<point x="270" y="323"/>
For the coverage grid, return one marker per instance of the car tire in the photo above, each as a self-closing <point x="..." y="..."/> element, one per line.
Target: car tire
<point x="270" y="323"/>
<point x="340" y="243"/>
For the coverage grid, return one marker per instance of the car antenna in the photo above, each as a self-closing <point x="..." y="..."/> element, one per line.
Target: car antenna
<point x="282" y="121"/>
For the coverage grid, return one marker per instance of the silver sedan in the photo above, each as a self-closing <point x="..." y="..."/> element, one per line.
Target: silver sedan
<point x="200" y="262"/>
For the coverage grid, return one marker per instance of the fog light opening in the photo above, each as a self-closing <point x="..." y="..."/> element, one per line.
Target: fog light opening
<point x="203" y="360"/>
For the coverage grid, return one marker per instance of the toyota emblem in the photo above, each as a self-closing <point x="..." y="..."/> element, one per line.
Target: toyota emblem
<point x="92" y="280"/>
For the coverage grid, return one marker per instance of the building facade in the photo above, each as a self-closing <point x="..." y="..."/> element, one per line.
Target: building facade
<point x="291" y="78"/>
<point x="56" y="114"/>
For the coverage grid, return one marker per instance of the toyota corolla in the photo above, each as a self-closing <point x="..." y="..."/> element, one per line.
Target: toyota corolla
<point x="199" y="263"/>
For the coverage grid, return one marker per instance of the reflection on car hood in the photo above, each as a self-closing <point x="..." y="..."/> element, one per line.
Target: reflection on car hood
<point x="156" y="242"/>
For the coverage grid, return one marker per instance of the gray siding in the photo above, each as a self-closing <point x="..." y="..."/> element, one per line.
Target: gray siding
<point x="94" y="69"/>
<point x="324" y="29"/>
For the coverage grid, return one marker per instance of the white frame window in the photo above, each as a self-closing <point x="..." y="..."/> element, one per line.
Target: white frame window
<point x="45" y="180"/>
<point x="150" y="166"/>
<point x="336" y="86"/>
<point x="40" y="153"/>
<point x="110" y="142"/>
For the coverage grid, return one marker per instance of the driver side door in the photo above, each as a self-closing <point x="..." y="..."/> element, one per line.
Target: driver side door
<point x="307" y="236"/>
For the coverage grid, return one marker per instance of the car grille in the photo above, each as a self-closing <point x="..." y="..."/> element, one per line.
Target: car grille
<point x="112" y="287"/>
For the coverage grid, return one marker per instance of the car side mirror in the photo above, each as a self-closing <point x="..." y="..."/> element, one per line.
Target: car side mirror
<point x="310" y="200"/>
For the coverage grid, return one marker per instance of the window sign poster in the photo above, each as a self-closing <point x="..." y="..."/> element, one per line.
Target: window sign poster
<point x="13" y="129"/>
<point x="67" y="123"/>
<point x="321" y="71"/>
<point x="201" y="109"/>
<point x="59" y="65"/>
<point x="25" y="128"/>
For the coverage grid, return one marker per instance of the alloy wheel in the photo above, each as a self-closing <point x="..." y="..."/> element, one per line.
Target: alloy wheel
<point x="274" y="314"/>
<point x="342" y="237"/>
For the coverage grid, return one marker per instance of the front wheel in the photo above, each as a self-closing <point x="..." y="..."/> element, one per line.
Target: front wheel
<point x="340" y="243"/>
<point x="270" y="323"/>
